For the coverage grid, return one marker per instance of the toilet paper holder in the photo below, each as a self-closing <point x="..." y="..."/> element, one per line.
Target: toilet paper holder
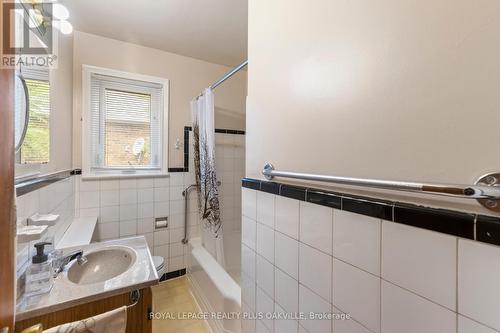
<point x="161" y="222"/>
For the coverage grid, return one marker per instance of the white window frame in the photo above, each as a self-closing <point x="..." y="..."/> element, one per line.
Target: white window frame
<point x="87" y="170"/>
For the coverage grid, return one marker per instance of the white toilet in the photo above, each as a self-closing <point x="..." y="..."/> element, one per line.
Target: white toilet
<point x="159" y="263"/>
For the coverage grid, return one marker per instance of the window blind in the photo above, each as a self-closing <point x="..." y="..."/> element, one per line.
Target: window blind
<point x="126" y="124"/>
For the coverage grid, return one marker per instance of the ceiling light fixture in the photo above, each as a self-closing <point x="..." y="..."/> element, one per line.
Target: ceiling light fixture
<point x="63" y="26"/>
<point x="60" y="12"/>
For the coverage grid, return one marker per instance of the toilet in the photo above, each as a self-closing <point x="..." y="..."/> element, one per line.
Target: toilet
<point x="160" y="266"/>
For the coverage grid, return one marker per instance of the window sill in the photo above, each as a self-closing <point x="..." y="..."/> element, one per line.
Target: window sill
<point x="125" y="176"/>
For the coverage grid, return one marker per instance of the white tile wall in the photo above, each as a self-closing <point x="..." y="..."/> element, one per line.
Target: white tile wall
<point x="265" y="242"/>
<point x="465" y="325"/>
<point x="390" y="278"/>
<point x="249" y="232"/>
<point x="265" y="208"/>
<point x="403" y="311"/>
<point x="265" y="275"/>
<point x="128" y="207"/>
<point x="310" y="302"/>
<point x="287" y="216"/>
<point x="248" y="262"/>
<point x="247" y="323"/>
<point x="264" y="304"/>
<point x="284" y="325"/>
<point x="315" y="271"/>
<point x="287" y="254"/>
<point x="249" y="203"/>
<point x="356" y="239"/>
<point x="248" y="289"/>
<point x="421" y="261"/>
<point x="358" y="293"/>
<point x="478" y="282"/>
<point x="349" y="326"/>
<point x="316" y="224"/>
<point x="286" y="291"/>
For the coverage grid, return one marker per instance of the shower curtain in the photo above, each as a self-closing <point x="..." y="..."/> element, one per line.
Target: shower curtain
<point x="203" y="109"/>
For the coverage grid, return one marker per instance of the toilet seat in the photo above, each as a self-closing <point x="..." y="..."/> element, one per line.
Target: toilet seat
<point x="160" y="266"/>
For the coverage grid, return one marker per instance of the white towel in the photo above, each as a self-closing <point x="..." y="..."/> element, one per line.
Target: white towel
<point x="112" y="321"/>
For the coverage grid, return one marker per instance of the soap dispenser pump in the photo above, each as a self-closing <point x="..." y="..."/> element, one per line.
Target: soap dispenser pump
<point x="39" y="277"/>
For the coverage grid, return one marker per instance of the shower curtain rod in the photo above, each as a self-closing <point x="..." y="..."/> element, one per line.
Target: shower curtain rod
<point x="227" y="76"/>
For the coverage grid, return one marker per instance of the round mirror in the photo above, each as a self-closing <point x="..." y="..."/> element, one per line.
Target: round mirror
<point x="21" y="111"/>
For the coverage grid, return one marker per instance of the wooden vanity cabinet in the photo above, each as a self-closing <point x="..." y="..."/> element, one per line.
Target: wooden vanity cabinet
<point x="137" y="316"/>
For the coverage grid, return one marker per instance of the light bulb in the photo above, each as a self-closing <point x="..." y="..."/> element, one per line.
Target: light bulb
<point x="64" y="26"/>
<point x="60" y="12"/>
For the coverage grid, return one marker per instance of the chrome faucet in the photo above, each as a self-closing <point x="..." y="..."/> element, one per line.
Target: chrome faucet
<point x="65" y="260"/>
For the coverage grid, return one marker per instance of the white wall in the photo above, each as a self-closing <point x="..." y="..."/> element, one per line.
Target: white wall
<point x="188" y="77"/>
<point x="388" y="89"/>
<point x="61" y="120"/>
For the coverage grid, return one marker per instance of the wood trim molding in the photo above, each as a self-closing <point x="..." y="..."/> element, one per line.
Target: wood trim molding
<point x="7" y="211"/>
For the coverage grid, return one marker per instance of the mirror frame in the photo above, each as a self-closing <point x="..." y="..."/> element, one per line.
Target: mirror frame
<point x="27" y="116"/>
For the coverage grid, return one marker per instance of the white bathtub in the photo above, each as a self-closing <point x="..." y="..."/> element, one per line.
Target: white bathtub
<point x="215" y="289"/>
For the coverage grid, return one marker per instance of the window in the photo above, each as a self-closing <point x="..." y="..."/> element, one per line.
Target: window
<point x="125" y="119"/>
<point x="36" y="146"/>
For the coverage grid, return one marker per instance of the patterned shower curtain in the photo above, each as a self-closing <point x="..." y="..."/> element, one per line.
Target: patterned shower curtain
<point x="202" y="109"/>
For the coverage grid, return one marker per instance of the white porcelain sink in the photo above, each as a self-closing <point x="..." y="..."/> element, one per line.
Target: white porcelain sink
<point x="102" y="265"/>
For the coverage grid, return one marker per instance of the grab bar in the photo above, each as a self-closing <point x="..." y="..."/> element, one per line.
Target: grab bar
<point x="185" y="194"/>
<point x="486" y="190"/>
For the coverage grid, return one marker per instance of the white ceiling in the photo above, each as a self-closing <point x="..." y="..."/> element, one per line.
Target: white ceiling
<point x="210" y="30"/>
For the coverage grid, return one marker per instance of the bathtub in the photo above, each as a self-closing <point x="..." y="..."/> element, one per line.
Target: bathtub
<point x="215" y="289"/>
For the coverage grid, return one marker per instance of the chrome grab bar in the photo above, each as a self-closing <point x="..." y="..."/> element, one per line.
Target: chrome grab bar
<point x="486" y="190"/>
<point x="185" y="194"/>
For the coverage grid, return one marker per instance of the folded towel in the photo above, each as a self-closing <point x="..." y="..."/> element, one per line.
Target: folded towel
<point x="113" y="321"/>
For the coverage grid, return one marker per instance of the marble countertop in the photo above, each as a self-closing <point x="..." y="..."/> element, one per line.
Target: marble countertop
<point x="65" y="294"/>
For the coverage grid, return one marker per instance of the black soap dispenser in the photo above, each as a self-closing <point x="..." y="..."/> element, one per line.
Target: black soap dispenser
<point x="39" y="279"/>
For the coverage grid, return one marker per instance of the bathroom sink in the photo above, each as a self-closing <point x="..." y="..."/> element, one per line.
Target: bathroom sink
<point x="101" y="265"/>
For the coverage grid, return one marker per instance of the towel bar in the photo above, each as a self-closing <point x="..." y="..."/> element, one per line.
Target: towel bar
<point x="486" y="190"/>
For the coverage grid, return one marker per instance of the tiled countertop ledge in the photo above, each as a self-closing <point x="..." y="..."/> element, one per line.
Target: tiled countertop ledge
<point x="466" y="225"/>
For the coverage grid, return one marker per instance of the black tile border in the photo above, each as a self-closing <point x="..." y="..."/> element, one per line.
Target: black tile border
<point x="333" y="200"/>
<point x="488" y="229"/>
<point x="175" y="169"/>
<point x="270" y="187"/>
<point x="251" y="183"/>
<point x="185" y="168"/>
<point x="173" y="275"/>
<point x="461" y="224"/>
<point x="368" y="206"/>
<point x="441" y="220"/>
<point x="293" y="192"/>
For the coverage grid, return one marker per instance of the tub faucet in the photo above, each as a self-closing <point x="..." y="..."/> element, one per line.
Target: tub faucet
<point x="64" y="261"/>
